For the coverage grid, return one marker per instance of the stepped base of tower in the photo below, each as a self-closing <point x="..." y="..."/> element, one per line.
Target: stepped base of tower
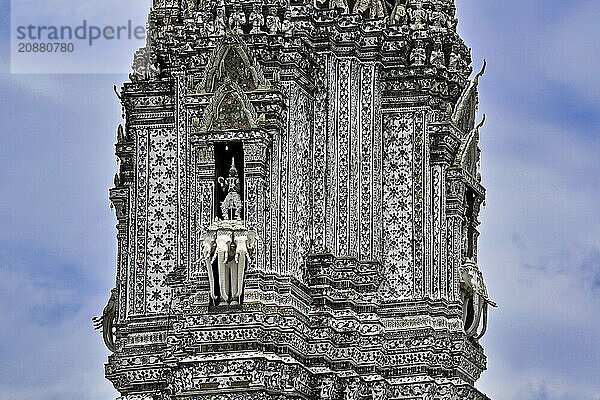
<point x="413" y="392"/>
<point x="420" y="391"/>
<point x="334" y="338"/>
<point x="276" y="380"/>
<point x="278" y="383"/>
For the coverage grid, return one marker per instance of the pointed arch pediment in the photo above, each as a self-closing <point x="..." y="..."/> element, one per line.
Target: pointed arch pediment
<point x="463" y="115"/>
<point x="229" y="108"/>
<point x="231" y="61"/>
<point x="468" y="152"/>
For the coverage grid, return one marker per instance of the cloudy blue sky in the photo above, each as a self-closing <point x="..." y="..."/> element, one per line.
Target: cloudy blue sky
<point x="540" y="242"/>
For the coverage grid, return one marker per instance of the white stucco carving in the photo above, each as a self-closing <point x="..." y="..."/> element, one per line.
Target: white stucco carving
<point x="475" y="299"/>
<point x="229" y="245"/>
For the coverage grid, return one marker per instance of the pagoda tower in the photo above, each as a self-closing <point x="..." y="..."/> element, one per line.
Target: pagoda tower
<point x="297" y="205"/>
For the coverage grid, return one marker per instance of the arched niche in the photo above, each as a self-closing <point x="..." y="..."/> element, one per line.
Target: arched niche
<point x="231" y="62"/>
<point x="229" y="109"/>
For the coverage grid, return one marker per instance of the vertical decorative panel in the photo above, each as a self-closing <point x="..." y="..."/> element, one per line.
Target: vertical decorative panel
<point x="259" y="189"/>
<point x="365" y="189"/>
<point x="354" y="157"/>
<point x="319" y="151"/>
<point x="132" y="239"/>
<point x="261" y="224"/>
<point x="255" y="173"/>
<point x="377" y="175"/>
<point x="294" y="183"/>
<point x="207" y="204"/>
<point x="343" y="157"/>
<point x="420" y="166"/>
<point x="251" y="201"/>
<point x="284" y="185"/>
<point x="300" y="160"/>
<point x="438" y="216"/>
<point x="137" y="293"/>
<point x="181" y="182"/>
<point x="454" y="250"/>
<point x="269" y="213"/>
<point x="162" y="217"/>
<point x="251" y="205"/>
<point x="276" y="206"/>
<point x="398" y="203"/>
<point x="332" y="165"/>
<point x="202" y="191"/>
<point x="429" y="270"/>
<point x="123" y="261"/>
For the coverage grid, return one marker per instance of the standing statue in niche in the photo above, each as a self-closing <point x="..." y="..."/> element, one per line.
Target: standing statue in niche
<point x="206" y="24"/>
<point x="227" y="246"/>
<point x="220" y="24"/>
<point x="273" y="22"/>
<point x="438" y="19"/>
<point x="437" y="54"/>
<point x="454" y="63"/>
<point x="418" y="17"/>
<point x="190" y="8"/>
<point x="378" y="392"/>
<point x="340" y="5"/>
<point x="256" y="19"/>
<point x="287" y="26"/>
<point x="231" y="207"/>
<point x="237" y="19"/>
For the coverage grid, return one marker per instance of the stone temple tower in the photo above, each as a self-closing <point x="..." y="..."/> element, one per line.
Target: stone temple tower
<point x="297" y="205"/>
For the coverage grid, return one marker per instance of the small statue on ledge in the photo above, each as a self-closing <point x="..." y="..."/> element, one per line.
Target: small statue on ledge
<point x="220" y="24"/>
<point x="418" y="17"/>
<point x="231" y="207"/>
<point x="287" y="26"/>
<point x="437" y="54"/>
<point x="273" y="22"/>
<point x="237" y="19"/>
<point x="256" y="19"/>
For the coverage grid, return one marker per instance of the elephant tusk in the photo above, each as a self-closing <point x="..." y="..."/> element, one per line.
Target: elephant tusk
<point x="485" y="322"/>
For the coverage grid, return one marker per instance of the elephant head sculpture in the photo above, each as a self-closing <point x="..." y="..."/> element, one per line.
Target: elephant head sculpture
<point x="475" y="299"/>
<point x="208" y="249"/>
<point x="107" y="320"/>
<point x="223" y="242"/>
<point x="244" y="245"/>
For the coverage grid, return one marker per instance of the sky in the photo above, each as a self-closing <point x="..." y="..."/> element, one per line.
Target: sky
<point x="540" y="232"/>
